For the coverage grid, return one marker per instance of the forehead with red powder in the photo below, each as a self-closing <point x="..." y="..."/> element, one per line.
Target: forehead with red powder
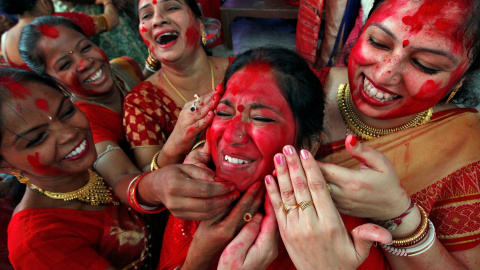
<point x="48" y="31"/>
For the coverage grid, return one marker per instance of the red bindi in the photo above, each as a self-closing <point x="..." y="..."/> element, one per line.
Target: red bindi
<point x="240" y="108"/>
<point x="405" y="43"/>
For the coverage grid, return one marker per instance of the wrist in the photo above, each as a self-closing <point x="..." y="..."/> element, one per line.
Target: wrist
<point x="393" y="223"/>
<point x="140" y="195"/>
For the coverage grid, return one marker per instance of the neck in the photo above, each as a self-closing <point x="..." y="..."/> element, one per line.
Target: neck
<point x="60" y="183"/>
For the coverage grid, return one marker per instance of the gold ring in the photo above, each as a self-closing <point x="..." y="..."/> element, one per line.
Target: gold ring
<point x="247" y="217"/>
<point x="329" y="188"/>
<point x="304" y="204"/>
<point x="287" y="208"/>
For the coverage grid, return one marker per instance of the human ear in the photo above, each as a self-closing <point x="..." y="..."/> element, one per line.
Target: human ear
<point x="311" y="145"/>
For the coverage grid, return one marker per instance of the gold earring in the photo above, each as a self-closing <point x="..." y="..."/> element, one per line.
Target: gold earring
<point x="21" y="178"/>
<point x="204" y="41"/>
<point x="455" y="90"/>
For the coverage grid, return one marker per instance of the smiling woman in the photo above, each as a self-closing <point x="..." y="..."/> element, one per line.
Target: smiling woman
<point x="67" y="208"/>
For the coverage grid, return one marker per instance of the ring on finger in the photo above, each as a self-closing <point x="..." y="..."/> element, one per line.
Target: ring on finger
<point x="247" y="217"/>
<point x="288" y="208"/>
<point x="193" y="108"/>
<point x="329" y="188"/>
<point x="304" y="204"/>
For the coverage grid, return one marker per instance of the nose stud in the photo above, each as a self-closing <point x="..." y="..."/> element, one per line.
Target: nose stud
<point x="50" y="119"/>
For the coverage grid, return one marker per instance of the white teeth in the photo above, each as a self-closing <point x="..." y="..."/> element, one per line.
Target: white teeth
<point x="235" y="160"/>
<point x="77" y="150"/>
<point x="375" y="93"/>
<point x="95" y="76"/>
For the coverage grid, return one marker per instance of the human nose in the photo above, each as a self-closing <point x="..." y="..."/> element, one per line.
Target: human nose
<point x="235" y="133"/>
<point x="65" y="132"/>
<point x="389" y="71"/>
<point x="84" y="64"/>
<point x="159" y="18"/>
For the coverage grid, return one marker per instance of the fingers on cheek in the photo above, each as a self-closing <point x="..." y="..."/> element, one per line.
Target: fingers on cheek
<point x="280" y="165"/>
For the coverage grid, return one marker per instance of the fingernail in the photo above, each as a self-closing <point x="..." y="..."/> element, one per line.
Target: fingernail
<point x="268" y="179"/>
<point x="233" y="187"/>
<point x="304" y="154"/>
<point x="353" y="141"/>
<point x="279" y="159"/>
<point x="235" y="195"/>
<point x="257" y="218"/>
<point x="288" y="150"/>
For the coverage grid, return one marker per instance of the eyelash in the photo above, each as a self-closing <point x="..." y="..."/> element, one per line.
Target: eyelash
<point x="414" y="61"/>
<point x="84" y="49"/>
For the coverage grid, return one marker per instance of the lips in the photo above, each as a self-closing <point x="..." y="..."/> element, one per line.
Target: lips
<point x="166" y="37"/>
<point x="377" y="94"/>
<point x="78" y="151"/>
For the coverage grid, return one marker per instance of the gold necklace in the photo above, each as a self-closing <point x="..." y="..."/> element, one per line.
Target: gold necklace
<point x="361" y="129"/>
<point x="178" y="92"/>
<point x="94" y="192"/>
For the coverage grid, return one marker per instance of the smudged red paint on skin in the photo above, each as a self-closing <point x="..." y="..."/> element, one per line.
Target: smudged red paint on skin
<point x="19" y="108"/>
<point x="428" y="90"/>
<point x="191" y="130"/>
<point x="40" y="168"/>
<point x="102" y="53"/>
<point x="405" y="43"/>
<point x="193" y="33"/>
<point x="376" y="227"/>
<point x="240" y="108"/>
<point x="81" y="64"/>
<point x="143" y="29"/>
<point x="18" y="90"/>
<point x="48" y="31"/>
<point x="154" y="2"/>
<point x="77" y="88"/>
<point x="147" y="43"/>
<point x="42" y="104"/>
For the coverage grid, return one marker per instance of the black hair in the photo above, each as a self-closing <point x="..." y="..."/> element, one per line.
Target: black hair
<point x="7" y="77"/>
<point x="299" y="85"/>
<point x="31" y="33"/>
<point x="467" y="95"/>
<point x="15" y="7"/>
<point x="192" y="4"/>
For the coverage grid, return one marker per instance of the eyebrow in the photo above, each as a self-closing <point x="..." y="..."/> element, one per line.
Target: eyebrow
<point x="253" y="105"/>
<point x="438" y="52"/>
<point x="149" y="4"/>
<point x="76" y="46"/>
<point x="23" y="134"/>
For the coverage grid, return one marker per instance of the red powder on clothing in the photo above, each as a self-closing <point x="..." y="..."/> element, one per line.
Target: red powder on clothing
<point x="42" y="104"/>
<point x="48" y="31"/>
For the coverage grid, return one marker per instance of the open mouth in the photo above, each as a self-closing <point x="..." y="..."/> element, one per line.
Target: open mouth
<point x="78" y="150"/>
<point x="95" y="76"/>
<point x="233" y="160"/>
<point x="166" y="38"/>
<point x="376" y="93"/>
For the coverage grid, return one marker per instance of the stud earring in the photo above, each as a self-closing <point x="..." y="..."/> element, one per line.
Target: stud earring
<point x="204" y="41"/>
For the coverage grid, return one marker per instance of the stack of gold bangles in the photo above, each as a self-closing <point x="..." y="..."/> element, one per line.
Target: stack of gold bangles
<point x="416" y="244"/>
<point x="303" y="205"/>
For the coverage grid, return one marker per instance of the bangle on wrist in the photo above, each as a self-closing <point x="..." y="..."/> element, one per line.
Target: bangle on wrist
<point x="198" y="144"/>
<point x="415" y="250"/>
<point x="151" y="63"/>
<point x="418" y="236"/>
<point x="154" y="165"/>
<point x="393" y="223"/>
<point x="132" y="197"/>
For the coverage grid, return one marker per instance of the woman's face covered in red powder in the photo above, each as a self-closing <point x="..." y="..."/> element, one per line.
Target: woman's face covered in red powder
<point x="253" y="123"/>
<point x="76" y="61"/>
<point x="169" y="28"/>
<point x="408" y="57"/>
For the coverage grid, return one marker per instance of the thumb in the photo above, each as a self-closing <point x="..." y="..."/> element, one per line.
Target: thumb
<point x="364" y="236"/>
<point x="366" y="155"/>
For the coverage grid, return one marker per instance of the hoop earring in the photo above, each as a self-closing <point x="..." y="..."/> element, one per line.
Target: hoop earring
<point x="455" y="90"/>
<point x="21" y="178"/>
<point x="204" y="41"/>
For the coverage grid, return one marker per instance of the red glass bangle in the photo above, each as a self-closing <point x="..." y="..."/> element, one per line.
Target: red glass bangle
<point x="132" y="197"/>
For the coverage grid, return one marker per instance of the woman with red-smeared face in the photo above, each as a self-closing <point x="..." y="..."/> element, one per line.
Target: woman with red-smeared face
<point x="253" y="123"/>
<point x="398" y="143"/>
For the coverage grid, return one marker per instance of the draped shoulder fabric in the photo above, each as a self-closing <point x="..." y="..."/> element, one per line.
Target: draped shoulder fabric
<point x="106" y="124"/>
<point x="439" y="166"/>
<point x="75" y="239"/>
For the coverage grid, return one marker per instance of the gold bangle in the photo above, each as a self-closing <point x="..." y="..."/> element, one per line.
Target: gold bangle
<point x="198" y="144"/>
<point x="151" y="62"/>
<point x="101" y="23"/>
<point x="418" y="236"/>
<point x="154" y="165"/>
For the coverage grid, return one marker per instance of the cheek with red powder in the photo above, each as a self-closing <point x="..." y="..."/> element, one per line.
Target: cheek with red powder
<point x="42" y="104"/>
<point x="102" y="53"/>
<point x="77" y="88"/>
<point x="48" y="31"/>
<point x="192" y="33"/>
<point x="42" y="169"/>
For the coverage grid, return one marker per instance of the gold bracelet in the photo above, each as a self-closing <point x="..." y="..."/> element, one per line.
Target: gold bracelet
<point x="101" y="23"/>
<point x="198" y="144"/>
<point x="418" y="236"/>
<point x="151" y="62"/>
<point x="154" y="166"/>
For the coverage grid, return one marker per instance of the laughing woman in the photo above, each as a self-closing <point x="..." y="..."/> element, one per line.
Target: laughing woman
<point x="412" y="60"/>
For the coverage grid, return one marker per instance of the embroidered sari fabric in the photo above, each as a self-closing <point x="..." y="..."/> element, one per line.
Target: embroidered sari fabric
<point x="439" y="166"/>
<point x="106" y="124"/>
<point x="74" y="239"/>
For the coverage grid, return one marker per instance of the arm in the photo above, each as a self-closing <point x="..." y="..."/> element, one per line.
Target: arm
<point x="110" y="12"/>
<point x="379" y="196"/>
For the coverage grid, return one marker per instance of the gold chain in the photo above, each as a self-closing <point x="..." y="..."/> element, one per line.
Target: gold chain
<point x="178" y="92"/>
<point x="361" y="129"/>
<point x="94" y="192"/>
